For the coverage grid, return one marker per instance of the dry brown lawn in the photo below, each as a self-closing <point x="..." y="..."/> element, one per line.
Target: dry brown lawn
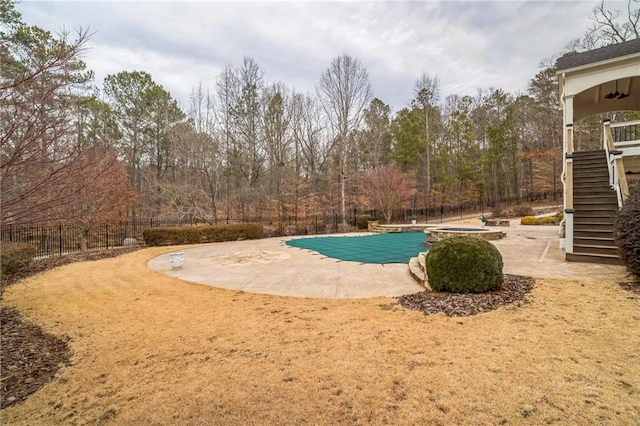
<point x="150" y="349"/>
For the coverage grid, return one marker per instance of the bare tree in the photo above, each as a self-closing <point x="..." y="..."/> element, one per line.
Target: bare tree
<point x="101" y="192"/>
<point x="610" y="26"/>
<point x="201" y="110"/>
<point x="345" y="92"/>
<point x="312" y="147"/>
<point x="201" y="142"/>
<point x="40" y="79"/>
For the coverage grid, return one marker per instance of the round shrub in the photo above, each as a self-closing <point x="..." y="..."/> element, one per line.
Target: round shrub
<point x="559" y="216"/>
<point x="548" y="220"/>
<point x="627" y="231"/>
<point x="529" y="220"/>
<point x="464" y="265"/>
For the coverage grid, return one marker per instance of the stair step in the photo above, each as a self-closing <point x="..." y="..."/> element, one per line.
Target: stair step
<point x="581" y="177"/>
<point x="599" y="153"/>
<point x="595" y="199"/>
<point x="589" y="188"/>
<point x="595" y="249"/>
<point x="602" y="182"/>
<point x="422" y="258"/>
<point x="586" y="258"/>
<point x="588" y="162"/>
<point x="596" y="210"/>
<point x="417" y="271"/>
<point x="599" y="162"/>
<point x="593" y="219"/>
<point x="588" y="173"/>
<point x="582" y="168"/>
<point x="593" y="241"/>
<point x="582" y="204"/>
<point x="596" y="164"/>
<point x="591" y="180"/>
<point x="601" y="156"/>
<point x="592" y="226"/>
<point x="608" y="215"/>
<point x="587" y="232"/>
<point x="595" y="194"/>
<point x="590" y="205"/>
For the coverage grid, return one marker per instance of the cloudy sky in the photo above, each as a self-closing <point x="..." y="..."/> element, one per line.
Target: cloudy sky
<point x="467" y="44"/>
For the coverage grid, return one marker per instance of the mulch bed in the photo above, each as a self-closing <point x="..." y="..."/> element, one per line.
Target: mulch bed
<point x="30" y="357"/>
<point x="514" y="290"/>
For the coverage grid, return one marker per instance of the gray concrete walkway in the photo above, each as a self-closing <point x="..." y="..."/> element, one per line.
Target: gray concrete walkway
<point x="269" y="266"/>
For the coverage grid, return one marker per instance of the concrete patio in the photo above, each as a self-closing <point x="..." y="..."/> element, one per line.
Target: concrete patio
<point x="269" y="266"/>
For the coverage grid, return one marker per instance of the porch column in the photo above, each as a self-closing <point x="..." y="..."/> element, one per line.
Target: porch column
<point x="568" y="202"/>
<point x="567" y="142"/>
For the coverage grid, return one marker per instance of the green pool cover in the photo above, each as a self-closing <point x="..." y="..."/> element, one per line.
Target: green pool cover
<point x="378" y="248"/>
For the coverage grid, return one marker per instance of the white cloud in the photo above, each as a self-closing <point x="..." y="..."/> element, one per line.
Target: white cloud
<point x="469" y="45"/>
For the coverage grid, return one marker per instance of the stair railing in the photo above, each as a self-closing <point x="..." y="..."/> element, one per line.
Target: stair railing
<point x="617" y="178"/>
<point x="626" y="137"/>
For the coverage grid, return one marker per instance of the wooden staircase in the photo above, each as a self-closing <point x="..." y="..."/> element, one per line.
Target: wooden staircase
<point x="596" y="207"/>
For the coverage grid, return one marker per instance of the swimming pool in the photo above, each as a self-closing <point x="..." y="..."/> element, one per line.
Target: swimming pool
<point x="379" y="248"/>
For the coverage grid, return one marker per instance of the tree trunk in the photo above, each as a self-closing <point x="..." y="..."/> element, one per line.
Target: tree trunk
<point x="84" y="236"/>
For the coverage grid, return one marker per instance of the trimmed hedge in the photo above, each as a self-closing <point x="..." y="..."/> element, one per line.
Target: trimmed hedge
<point x="14" y="256"/>
<point x="627" y="232"/>
<point x="170" y="236"/>
<point x="548" y="220"/>
<point x="464" y="265"/>
<point x="529" y="220"/>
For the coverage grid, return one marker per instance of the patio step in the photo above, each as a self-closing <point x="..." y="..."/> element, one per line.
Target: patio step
<point x="417" y="270"/>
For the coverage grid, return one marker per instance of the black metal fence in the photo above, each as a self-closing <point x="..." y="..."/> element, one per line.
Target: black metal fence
<point x="61" y="239"/>
<point x="55" y="240"/>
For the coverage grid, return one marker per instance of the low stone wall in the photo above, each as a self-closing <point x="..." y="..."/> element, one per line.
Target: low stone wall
<point x="440" y="234"/>
<point x="404" y="227"/>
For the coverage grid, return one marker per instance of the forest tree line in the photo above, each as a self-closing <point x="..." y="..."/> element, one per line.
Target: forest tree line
<point x="246" y="147"/>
